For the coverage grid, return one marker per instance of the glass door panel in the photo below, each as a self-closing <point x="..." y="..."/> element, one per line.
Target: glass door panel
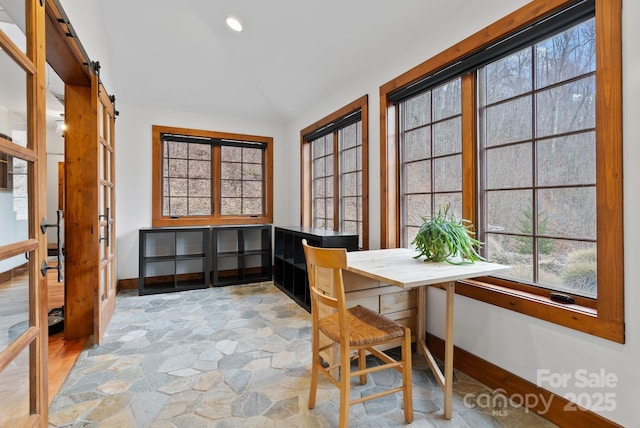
<point x="15" y="391"/>
<point x="13" y="102"/>
<point x="12" y="22"/>
<point x="14" y="201"/>
<point x="14" y="300"/>
<point x="106" y="291"/>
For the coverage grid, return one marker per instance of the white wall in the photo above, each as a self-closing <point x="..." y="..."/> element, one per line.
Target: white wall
<point x="12" y="228"/>
<point x="55" y="154"/>
<point x="515" y="342"/>
<point x="133" y="170"/>
<point x="86" y="18"/>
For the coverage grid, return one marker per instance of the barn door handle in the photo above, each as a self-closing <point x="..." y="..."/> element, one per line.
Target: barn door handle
<point x="58" y="225"/>
<point x="107" y="217"/>
<point x="44" y="267"/>
<point x="44" y="225"/>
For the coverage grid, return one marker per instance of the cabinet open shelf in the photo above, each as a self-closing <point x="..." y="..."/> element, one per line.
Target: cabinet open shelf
<point x="241" y="254"/>
<point x="173" y="259"/>
<point x="186" y="258"/>
<point x="290" y="269"/>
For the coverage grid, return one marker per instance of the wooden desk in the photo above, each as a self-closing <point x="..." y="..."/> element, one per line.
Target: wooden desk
<point x="398" y="267"/>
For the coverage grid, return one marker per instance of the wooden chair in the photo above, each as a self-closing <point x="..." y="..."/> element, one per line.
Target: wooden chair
<point x="355" y="329"/>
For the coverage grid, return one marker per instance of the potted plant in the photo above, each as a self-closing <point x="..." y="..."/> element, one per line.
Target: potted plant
<point x="443" y="238"/>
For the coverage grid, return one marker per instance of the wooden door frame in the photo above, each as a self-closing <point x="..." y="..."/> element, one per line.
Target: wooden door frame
<point x="69" y="60"/>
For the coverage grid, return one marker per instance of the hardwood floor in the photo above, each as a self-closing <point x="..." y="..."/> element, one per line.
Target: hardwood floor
<point x="14" y="310"/>
<point x="62" y="353"/>
<point x="62" y="356"/>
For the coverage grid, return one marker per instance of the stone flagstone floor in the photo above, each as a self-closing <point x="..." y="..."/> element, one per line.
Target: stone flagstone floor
<point x="238" y="356"/>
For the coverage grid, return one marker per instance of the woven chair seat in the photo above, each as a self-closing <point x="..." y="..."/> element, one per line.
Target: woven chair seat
<point x="366" y="327"/>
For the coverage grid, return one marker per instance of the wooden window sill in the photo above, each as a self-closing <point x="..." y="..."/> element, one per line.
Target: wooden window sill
<point x="575" y="316"/>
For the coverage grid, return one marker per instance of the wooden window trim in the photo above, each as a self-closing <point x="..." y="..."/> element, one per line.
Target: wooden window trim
<point x="603" y="317"/>
<point x="305" y="166"/>
<point x="159" y="220"/>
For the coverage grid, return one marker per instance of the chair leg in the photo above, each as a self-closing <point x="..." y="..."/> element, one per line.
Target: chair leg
<point x="407" y="391"/>
<point x="315" y="361"/>
<point x="362" y="364"/>
<point x="345" y="384"/>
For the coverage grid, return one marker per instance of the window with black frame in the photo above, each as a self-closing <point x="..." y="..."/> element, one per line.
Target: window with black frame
<point x="348" y="158"/>
<point x="541" y="96"/>
<point x="189" y="165"/>
<point x="335" y="151"/>
<point x="204" y="175"/>
<point x="535" y="149"/>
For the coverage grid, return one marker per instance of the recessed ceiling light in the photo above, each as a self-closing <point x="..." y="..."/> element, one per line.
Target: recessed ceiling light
<point x="234" y="24"/>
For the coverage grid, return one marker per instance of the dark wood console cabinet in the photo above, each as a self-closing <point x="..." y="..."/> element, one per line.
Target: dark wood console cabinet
<point x="290" y="270"/>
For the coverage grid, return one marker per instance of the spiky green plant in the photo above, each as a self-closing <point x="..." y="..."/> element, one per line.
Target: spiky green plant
<point x="442" y="238"/>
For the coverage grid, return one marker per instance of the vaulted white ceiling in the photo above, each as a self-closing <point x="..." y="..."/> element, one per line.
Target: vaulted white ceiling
<point x="180" y="55"/>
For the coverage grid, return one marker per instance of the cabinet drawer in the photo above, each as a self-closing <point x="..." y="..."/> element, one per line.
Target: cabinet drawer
<point x="371" y="302"/>
<point x="399" y="301"/>
<point x="354" y="282"/>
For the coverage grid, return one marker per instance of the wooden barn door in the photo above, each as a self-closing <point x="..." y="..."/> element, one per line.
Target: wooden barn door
<point x="106" y="290"/>
<point x="90" y="212"/>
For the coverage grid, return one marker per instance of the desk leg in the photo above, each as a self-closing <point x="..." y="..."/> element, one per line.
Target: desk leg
<point x="421" y="321"/>
<point x="445" y="380"/>
<point x="448" y="351"/>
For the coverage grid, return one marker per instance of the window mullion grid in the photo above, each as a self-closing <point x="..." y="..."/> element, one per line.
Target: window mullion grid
<point x="188" y="179"/>
<point x="480" y="199"/>
<point x="337" y="183"/>
<point x="312" y="183"/>
<point x="402" y="173"/>
<point x="534" y="169"/>
<point x="359" y="208"/>
<point x="431" y="152"/>
<point x="241" y="181"/>
<point x="212" y="182"/>
<point x="168" y="174"/>
<point x="216" y="180"/>
<point x="325" y="158"/>
<point x="325" y="200"/>
<point x="339" y="136"/>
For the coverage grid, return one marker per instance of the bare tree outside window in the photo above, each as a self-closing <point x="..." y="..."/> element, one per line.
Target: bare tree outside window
<point x="538" y="170"/>
<point x="187" y="177"/>
<point x="350" y="166"/>
<point x="322" y="193"/>
<point x="241" y="180"/>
